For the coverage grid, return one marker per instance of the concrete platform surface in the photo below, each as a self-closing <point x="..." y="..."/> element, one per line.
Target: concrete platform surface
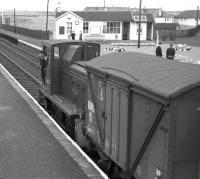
<point x="31" y="144"/>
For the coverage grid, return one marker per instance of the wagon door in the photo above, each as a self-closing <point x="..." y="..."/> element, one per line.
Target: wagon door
<point x="107" y="117"/>
<point x="96" y="109"/>
<point x="115" y="128"/>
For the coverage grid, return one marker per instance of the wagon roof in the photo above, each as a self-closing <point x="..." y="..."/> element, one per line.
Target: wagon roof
<point x="62" y="41"/>
<point x="160" y="76"/>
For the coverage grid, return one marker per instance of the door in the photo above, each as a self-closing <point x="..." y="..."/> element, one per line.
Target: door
<point x="125" y="30"/>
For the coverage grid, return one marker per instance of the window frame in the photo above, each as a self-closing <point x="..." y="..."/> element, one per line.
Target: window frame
<point x="69" y="28"/>
<point x="111" y="27"/>
<point x="61" y="30"/>
<point x="85" y="27"/>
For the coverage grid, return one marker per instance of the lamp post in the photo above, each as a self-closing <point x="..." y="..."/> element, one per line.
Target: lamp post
<point x="47" y="19"/>
<point x="139" y="23"/>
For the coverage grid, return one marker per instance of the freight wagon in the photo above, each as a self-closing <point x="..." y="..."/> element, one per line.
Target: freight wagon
<point x="139" y="112"/>
<point x="142" y="115"/>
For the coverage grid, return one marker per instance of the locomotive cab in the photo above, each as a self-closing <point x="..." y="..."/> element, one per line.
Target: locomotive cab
<point x="64" y="79"/>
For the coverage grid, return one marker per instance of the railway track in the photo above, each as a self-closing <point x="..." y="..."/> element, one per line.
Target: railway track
<point x="32" y="50"/>
<point x="26" y="70"/>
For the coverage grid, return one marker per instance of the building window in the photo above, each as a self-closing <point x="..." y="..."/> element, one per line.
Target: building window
<point x="69" y="27"/>
<point x="136" y="18"/>
<point x="138" y="29"/>
<point x="85" y="27"/>
<point x="111" y="28"/>
<point x="61" y="30"/>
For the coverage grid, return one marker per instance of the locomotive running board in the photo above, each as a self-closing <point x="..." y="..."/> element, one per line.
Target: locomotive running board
<point x="147" y="140"/>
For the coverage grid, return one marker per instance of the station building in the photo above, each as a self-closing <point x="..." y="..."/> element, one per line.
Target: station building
<point x="103" y="25"/>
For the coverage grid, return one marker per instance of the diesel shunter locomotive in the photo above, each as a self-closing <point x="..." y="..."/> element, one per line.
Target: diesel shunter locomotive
<point x="140" y="113"/>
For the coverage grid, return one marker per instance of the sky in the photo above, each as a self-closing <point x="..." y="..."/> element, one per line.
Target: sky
<point x="41" y="5"/>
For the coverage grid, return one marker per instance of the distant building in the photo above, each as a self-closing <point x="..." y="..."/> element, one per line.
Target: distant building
<point x="159" y="15"/>
<point x="104" y="25"/>
<point x="157" y="12"/>
<point x="164" y="19"/>
<point x="165" y="30"/>
<point x="164" y="26"/>
<point x="188" y="18"/>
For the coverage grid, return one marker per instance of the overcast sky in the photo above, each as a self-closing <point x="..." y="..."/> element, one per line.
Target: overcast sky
<point x="179" y="5"/>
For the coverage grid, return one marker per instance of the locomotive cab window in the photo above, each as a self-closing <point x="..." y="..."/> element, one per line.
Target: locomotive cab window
<point x="72" y="54"/>
<point x="56" y="52"/>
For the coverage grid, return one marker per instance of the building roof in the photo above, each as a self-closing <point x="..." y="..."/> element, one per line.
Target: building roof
<point x="166" y="26"/>
<point x="106" y="15"/>
<point x="188" y="14"/>
<point x="165" y="78"/>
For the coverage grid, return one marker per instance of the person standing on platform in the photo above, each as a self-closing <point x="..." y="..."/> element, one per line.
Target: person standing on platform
<point x="170" y="52"/>
<point x="159" y="50"/>
<point x="80" y="35"/>
<point x="73" y="35"/>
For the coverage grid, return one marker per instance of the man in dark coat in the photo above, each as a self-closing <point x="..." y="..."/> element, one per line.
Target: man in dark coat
<point x="73" y="35"/>
<point x="170" y="52"/>
<point x="43" y="63"/>
<point x="159" y="50"/>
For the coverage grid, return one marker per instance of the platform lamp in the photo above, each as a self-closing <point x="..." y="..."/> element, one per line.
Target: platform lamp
<point x="139" y="23"/>
<point x="47" y="19"/>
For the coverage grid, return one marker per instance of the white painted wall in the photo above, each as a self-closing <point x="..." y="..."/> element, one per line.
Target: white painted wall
<point x="134" y="34"/>
<point x="62" y="21"/>
<point x="164" y="20"/>
<point x="95" y="29"/>
<point x="186" y="21"/>
<point x="97" y="26"/>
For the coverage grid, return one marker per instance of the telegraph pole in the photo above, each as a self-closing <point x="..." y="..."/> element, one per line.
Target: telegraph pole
<point x="14" y="22"/>
<point x="47" y="19"/>
<point x="197" y="15"/>
<point x="139" y="23"/>
<point x="2" y="17"/>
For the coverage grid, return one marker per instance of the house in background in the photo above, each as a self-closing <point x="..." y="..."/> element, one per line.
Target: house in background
<point x="103" y="25"/>
<point x="165" y="30"/>
<point x="188" y="18"/>
<point x="166" y="18"/>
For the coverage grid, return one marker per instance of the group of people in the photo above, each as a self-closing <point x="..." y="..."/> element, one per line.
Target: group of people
<point x="73" y="35"/>
<point x="170" y="53"/>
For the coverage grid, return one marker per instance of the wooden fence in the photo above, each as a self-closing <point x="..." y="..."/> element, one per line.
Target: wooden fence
<point x="173" y="34"/>
<point x="38" y="34"/>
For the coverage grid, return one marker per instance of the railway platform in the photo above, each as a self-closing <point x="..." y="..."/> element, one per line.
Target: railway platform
<point x="36" y="43"/>
<point x="32" y="145"/>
